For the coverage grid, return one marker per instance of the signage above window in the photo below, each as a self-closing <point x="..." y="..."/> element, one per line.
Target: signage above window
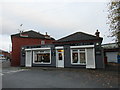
<point x="42" y="42"/>
<point x="23" y="35"/>
<point x="60" y="50"/>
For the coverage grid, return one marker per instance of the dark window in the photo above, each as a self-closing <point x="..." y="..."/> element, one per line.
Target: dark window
<point x="42" y="56"/>
<point x="78" y="56"/>
<point x="60" y="56"/>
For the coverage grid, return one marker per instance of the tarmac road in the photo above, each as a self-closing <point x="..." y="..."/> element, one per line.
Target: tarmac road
<point x="59" y="78"/>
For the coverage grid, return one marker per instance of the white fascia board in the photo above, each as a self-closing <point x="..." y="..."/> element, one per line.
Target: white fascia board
<point x="36" y="49"/>
<point x="84" y="46"/>
<point x="28" y="49"/>
<point x="58" y="47"/>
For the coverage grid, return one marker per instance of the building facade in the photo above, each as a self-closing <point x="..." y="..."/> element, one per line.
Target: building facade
<point x="111" y="52"/>
<point x="4" y="54"/>
<point x="26" y="38"/>
<point x="75" y="50"/>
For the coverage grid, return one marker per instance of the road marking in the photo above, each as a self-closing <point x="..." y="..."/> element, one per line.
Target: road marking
<point x="1" y="74"/>
<point x="14" y="71"/>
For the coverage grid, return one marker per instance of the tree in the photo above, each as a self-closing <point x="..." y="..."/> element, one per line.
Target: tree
<point x="114" y="19"/>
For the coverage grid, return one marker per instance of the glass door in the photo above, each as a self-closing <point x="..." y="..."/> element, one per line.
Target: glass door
<point x="60" y="58"/>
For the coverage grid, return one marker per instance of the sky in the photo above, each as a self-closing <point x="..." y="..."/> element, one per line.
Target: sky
<point x="58" y="18"/>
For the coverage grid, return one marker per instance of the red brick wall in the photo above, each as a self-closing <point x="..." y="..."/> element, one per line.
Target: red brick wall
<point x="18" y="42"/>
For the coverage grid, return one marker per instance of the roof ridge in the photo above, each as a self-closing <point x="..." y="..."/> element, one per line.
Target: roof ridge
<point x="78" y="36"/>
<point x="26" y="32"/>
<point x="75" y="33"/>
<point x="89" y="34"/>
<point x="32" y="34"/>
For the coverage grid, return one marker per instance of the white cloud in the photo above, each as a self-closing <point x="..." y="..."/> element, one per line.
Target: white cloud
<point x="9" y="26"/>
<point x="56" y="1"/>
<point x="5" y="42"/>
<point x="54" y="15"/>
<point x="42" y="18"/>
<point x="0" y="19"/>
<point x="58" y="19"/>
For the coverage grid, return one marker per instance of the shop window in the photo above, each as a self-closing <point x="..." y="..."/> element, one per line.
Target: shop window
<point x="78" y="56"/>
<point x="42" y="56"/>
<point x="82" y="58"/>
<point x="75" y="56"/>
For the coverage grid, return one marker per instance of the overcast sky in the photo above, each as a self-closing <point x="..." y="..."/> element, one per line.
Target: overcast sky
<point x="57" y="17"/>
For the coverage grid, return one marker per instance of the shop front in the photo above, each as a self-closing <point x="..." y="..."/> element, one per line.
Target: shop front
<point x="76" y="56"/>
<point x="76" y="50"/>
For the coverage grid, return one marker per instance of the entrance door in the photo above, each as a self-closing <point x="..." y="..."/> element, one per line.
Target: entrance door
<point x="60" y="58"/>
<point x="28" y="60"/>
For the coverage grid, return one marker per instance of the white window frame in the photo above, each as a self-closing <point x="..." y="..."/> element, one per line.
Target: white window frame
<point x="78" y="51"/>
<point x="36" y="49"/>
<point x="61" y="47"/>
<point x="40" y="62"/>
<point x="85" y="46"/>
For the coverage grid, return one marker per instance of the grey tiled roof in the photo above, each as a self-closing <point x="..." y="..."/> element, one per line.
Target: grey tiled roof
<point x="78" y="36"/>
<point x="32" y="34"/>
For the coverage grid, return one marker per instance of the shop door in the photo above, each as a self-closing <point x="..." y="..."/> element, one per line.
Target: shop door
<point x="60" y="58"/>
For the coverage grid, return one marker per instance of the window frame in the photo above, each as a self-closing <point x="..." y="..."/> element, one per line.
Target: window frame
<point x="78" y="52"/>
<point x="41" y="53"/>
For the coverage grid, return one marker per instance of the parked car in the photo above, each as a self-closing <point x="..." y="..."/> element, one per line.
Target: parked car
<point x="2" y="59"/>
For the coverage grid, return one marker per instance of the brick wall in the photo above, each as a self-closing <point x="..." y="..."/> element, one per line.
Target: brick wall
<point x="18" y="42"/>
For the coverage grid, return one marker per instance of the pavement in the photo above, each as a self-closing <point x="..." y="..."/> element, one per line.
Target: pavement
<point x="47" y="77"/>
<point x="4" y="63"/>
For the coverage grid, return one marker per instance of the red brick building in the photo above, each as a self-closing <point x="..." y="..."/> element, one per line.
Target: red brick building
<point x="26" y="38"/>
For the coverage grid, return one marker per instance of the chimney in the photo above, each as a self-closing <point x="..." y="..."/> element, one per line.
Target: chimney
<point x="47" y="36"/>
<point x="46" y="33"/>
<point x="97" y="33"/>
<point x="20" y="31"/>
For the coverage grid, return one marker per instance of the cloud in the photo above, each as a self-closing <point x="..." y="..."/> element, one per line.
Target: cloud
<point x="43" y="18"/>
<point x="52" y="16"/>
<point x="9" y="26"/>
<point x="64" y="16"/>
<point x="5" y="42"/>
<point x="58" y="19"/>
<point x="56" y="1"/>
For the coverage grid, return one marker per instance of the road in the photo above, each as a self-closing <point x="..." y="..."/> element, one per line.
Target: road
<point x="59" y="78"/>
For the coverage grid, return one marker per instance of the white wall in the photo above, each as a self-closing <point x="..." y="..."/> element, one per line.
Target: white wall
<point x="111" y="56"/>
<point x="90" y="58"/>
<point x="28" y="59"/>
